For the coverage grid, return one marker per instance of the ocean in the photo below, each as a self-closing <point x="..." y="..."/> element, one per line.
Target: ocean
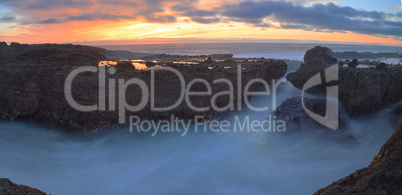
<point x="292" y="51"/>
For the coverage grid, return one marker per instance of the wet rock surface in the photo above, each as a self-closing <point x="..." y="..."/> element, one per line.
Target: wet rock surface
<point x="9" y="188"/>
<point x="35" y="92"/>
<point x="360" y="89"/>
<point x="298" y="121"/>
<point x="382" y="176"/>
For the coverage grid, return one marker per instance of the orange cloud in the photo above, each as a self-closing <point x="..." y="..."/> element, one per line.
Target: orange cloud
<point x="163" y="21"/>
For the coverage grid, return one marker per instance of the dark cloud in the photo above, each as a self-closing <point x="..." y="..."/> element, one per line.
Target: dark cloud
<point x="7" y="17"/>
<point x="181" y="8"/>
<point x="206" y="20"/>
<point x="46" y="4"/>
<point x="98" y="16"/>
<point x="318" y="16"/>
<point x="49" y="21"/>
<point x="199" y="13"/>
<point x="161" y="19"/>
<point x="127" y="3"/>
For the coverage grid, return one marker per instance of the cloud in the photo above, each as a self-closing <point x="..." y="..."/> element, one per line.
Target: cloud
<point x="309" y="16"/>
<point x="206" y="20"/>
<point x="49" y="21"/>
<point x="46" y="4"/>
<point x="99" y="16"/>
<point x="318" y="16"/>
<point x="7" y="18"/>
<point x="199" y="13"/>
<point x="58" y="11"/>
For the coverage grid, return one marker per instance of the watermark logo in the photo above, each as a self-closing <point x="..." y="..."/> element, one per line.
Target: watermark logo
<point x="112" y="97"/>
<point x="331" y="117"/>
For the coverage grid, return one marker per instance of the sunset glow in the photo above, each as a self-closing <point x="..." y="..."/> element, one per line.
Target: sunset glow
<point x="138" y="21"/>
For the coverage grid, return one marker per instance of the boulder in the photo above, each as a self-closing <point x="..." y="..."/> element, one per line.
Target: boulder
<point x="382" y="176"/>
<point x="208" y="60"/>
<point x="298" y="121"/>
<point x="315" y="60"/>
<point x="353" y="63"/>
<point x="382" y="65"/>
<point x="125" y="66"/>
<point x="7" y="187"/>
<point x="320" y="56"/>
<point x="3" y="45"/>
<point x="150" y="64"/>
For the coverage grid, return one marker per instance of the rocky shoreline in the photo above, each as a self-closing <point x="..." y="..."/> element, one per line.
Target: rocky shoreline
<point x="7" y="187"/>
<point x="35" y="92"/>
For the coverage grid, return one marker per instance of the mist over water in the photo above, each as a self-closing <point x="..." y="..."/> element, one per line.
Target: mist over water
<point x="120" y="162"/>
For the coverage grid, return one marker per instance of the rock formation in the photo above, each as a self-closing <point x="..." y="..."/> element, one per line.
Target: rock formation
<point x="360" y="90"/>
<point x="9" y="188"/>
<point x="35" y="92"/>
<point x="50" y="54"/>
<point x="382" y="176"/>
<point x="364" y="55"/>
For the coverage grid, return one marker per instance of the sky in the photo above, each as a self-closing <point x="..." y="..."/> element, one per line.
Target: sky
<point x="109" y="22"/>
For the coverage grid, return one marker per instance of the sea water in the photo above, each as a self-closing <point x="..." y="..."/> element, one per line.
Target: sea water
<point x="292" y="51"/>
<point x="117" y="161"/>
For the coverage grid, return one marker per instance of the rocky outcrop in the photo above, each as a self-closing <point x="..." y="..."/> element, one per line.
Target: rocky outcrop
<point x="298" y="121"/>
<point x="36" y="92"/>
<point x="315" y="61"/>
<point x="382" y="176"/>
<point x="9" y="188"/>
<point x="360" y="90"/>
<point x="364" y="55"/>
<point x="365" y="90"/>
<point x="50" y="54"/>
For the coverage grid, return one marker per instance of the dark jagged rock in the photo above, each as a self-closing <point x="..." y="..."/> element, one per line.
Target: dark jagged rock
<point x="208" y="60"/>
<point x="382" y="65"/>
<point x="150" y="64"/>
<point x="360" y="90"/>
<point x="315" y="60"/>
<point x="382" y="176"/>
<point x="3" y="45"/>
<point x="298" y="121"/>
<point x="51" y="54"/>
<point x="320" y="56"/>
<point x="353" y="63"/>
<point x="124" y="66"/>
<point x="364" y="55"/>
<point x="36" y="92"/>
<point x="9" y="188"/>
